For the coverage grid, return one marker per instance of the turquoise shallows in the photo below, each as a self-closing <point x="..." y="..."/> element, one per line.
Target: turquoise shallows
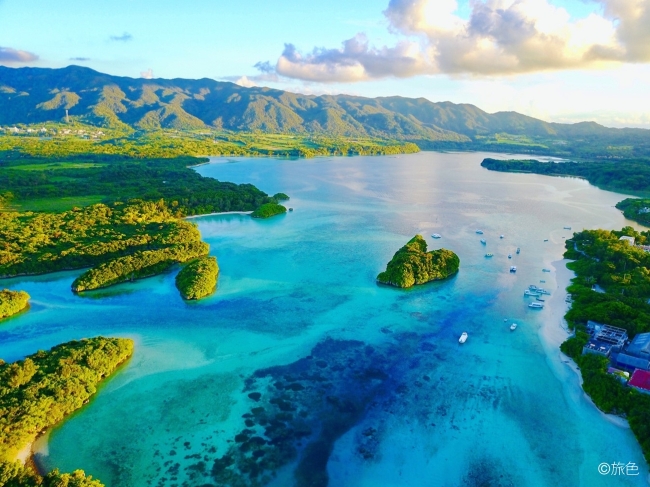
<point x="360" y="384"/>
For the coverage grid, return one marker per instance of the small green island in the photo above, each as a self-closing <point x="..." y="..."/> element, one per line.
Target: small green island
<point x="198" y="278"/>
<point x="12" y="302"/>
<point x="412" y="265"/>
<point x="268" y="210"/>
<point x="43" y="389"/>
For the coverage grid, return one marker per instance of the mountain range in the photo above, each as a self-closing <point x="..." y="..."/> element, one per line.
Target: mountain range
<point x="37" y="95"/>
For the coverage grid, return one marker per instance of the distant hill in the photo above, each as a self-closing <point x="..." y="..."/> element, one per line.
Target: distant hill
<point x="36" y="95"/>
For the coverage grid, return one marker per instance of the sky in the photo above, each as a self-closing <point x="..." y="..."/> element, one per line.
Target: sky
<point x="558" y="60"/>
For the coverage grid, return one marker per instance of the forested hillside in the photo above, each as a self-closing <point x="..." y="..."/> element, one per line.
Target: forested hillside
<point x="38" y="95"/>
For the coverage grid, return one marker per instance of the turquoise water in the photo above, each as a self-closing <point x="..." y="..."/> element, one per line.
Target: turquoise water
<point x="300" y="370"/>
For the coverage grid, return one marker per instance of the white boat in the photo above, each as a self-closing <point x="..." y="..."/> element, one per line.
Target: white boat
<point x="500" y="236"/>
<point x="513" y="327"/>
<point x="483" y="241"/>
<point x="536" y="305"/>
<point x="518" y="250"/>
<point x="543" y="291"/>
<point x="463" y="337"/>
<point x="480" y="232"/>
<point x="541" y="299"/>
<point x="436" y="235"/>
<point x="509" y="256"/>
<point x="489" y="254"/>
<point x="513" y="268"/>
<point x="532" y="287"/>
<point x="530" y="293"/>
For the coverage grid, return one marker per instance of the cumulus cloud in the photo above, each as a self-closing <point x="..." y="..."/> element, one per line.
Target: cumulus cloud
<point x="126" y="37"/>
<point x="267" y="74"/>
<point x="9" y="55"/>
<point x="500" y="37"/>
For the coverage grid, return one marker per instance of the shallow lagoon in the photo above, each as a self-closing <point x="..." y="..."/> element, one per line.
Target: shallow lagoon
<point x="358" y="384"/>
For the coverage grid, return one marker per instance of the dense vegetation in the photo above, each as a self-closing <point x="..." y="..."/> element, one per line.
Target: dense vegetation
<point x="14" y="474"/>
<point x="412" y="264"/>
<point x="198" y="278"/>
<point x="55" y="184"/>
<point x="12" y="302"/>
<point x="173" y="143"/>
<point x="130" y="116"/>
<point x="636" y="209"/>
<point x="622" y="270"/>
<point x="624" y="175"/>
<point x="36" y="243"/>
<point x="38" y="392"/>
<point x="269" y="209"/>
<point x="139" y="265"/>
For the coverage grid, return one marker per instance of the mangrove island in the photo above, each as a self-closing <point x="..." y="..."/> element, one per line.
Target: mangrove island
<point x="412" y="264"/>
<point x="198" y="278"/>
<point x="38" y="392"/>
<point x="12" y="302"/>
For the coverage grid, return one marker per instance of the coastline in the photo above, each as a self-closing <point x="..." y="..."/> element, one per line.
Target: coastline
<point x="554" y="331"/>
<point x="219" y="213"/>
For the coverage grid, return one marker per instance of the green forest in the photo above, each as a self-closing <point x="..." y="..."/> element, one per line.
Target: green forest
<point x="12" y="302"/>
<point x="50" y="386"/>
<point x="175" y="143"/>
<point x="625" y="175"/>
<point x="412" y="264"/>
<point x="637" y="209"/>
<point x="622" y="270"/>
<point x="56" y="184"/>
<point x="198" y="278"/>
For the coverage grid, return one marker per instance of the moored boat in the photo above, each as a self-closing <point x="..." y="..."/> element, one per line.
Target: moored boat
<point x="480" y="232"/>
<point x="483" y="241"/>
<point x="518" y="250"/>
<point x="513" y="268"/>
<point x="489" y="254"/>
<point x="436" y="235"/>
<point x="509" y="256"/>
<point x="463" y="337"/>
<point x="500" y="236"/>
<point x="513" y="327"/>
<point x="536" y="305"/>
<point x="530" y="293"/>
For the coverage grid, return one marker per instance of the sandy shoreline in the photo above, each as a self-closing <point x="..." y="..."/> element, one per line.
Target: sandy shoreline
<point x="220" y="213"/>
<point x="554" y="332"/>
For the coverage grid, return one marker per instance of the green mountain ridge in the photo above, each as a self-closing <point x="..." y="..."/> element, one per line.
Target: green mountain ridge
<point x="38" y="95"/>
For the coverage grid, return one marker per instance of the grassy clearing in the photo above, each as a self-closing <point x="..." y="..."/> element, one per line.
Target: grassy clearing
<point x="55" y="204"/>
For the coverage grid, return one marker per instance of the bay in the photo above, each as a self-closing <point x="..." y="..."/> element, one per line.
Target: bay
<point x="360" y="384"/>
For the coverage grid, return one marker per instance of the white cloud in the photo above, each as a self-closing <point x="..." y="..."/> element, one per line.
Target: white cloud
<point x="500" y="37"/>
<point x="9" y="55"/>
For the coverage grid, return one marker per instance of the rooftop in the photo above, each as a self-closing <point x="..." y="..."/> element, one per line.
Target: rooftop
<point x="632" y="362"/>
<point x="640" y="346"/>
<point x="641" y="380"/>
<point x="610" y="334"/>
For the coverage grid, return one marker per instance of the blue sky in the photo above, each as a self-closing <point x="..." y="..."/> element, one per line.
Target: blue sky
<point x="560" y="60"/>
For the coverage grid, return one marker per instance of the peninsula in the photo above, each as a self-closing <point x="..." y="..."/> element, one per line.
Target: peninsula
<point x="412" y="264"/>
<point x="12" y="302"/>
<point x="620" y="268"/>
<point x="268" y="210"/>
<point x="40" y="391"/>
